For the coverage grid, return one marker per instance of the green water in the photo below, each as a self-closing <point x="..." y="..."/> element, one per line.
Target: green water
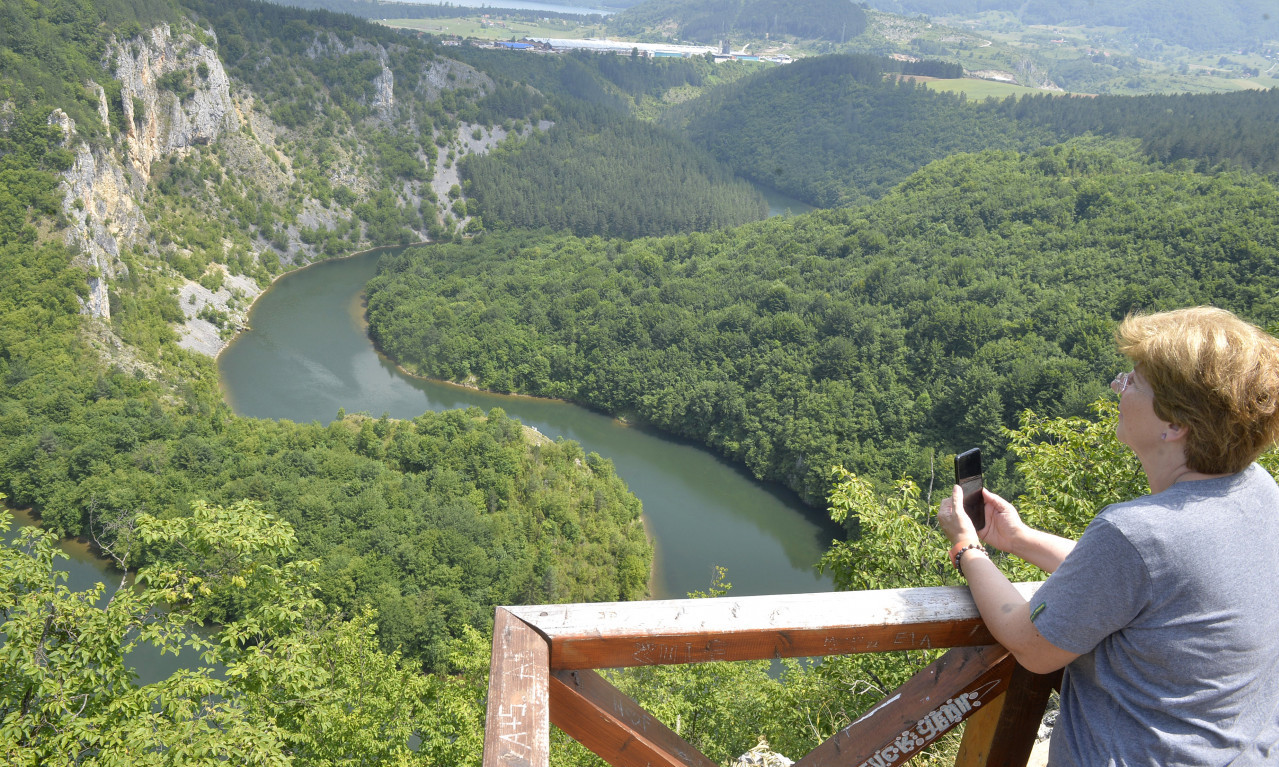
<point x="307" y="355"/>
<point x="84" y="570"/>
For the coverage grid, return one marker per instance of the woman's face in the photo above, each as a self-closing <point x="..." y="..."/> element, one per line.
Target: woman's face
<point x="1138" y="426"/>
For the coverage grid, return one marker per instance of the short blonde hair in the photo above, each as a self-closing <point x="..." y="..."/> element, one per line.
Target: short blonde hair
<point x="1213" y="373"/>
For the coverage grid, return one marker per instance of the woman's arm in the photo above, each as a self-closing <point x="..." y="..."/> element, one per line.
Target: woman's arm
<point x="1006" y="532"/>
<point x="1003" y="609"/>
<point x="1007" y="615"/>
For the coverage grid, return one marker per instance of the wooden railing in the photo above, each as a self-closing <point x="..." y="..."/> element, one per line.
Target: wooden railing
<point x="543" y="656"/>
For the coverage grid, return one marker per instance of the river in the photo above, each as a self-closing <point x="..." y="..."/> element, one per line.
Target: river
<point x="308" y="355"/>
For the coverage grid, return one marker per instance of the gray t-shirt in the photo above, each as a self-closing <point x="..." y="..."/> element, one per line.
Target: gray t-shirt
<point x="1173" y="602"/>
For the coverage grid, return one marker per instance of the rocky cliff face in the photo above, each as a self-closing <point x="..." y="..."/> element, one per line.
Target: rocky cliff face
<point x="175" y="98"/>
<point x="100" y="203"/>
<point x="101" y="189"/>
<point x="182" y="89"/>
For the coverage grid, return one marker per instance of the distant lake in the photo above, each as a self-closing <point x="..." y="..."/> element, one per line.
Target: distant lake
<point x="520" y="5"/>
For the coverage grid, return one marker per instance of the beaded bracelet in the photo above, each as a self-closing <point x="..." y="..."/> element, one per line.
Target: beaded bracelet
<point x="957" y="555"/>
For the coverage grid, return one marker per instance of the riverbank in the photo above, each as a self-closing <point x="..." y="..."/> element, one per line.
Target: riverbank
<point x="242" y="324"/>
<point x="308" y="356"/>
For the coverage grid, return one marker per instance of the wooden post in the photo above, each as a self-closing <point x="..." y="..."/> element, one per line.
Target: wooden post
<point x="1004" y="735"/>
<point x="517" y="727"/>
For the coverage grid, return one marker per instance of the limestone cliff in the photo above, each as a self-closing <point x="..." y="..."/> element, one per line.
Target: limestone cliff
<point x="192" y="109"/>
<point x="257" y="178"/>
<point x="101" y="189"/>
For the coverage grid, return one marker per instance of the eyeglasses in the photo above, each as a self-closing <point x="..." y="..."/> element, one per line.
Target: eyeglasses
<point x="1123" y="381"/>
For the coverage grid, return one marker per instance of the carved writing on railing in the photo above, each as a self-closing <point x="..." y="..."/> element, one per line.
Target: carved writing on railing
<point x="517" y="728"/>
<point x="932" y="702"/>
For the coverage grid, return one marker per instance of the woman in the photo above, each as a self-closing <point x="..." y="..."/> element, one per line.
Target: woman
<point x="1165" y="614"/>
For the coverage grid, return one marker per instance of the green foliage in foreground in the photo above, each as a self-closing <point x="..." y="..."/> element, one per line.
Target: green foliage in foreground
<point x="287" y="683"/>
<point x="304" y="686"/>
<point x="985" y="285"/>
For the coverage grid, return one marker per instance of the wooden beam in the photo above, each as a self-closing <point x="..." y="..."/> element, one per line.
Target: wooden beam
<point x="600" y="717"/>
<point x="933" y="701"/>
<point x="1007" y="733"/>
<point x="517" y="727"/>
<point x="663" y="632"/>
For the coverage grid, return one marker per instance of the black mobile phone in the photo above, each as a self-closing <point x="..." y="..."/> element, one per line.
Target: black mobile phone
<point x="968" y="477"/>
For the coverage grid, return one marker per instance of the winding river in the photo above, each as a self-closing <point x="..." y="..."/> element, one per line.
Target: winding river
<point x="308" y="355"/>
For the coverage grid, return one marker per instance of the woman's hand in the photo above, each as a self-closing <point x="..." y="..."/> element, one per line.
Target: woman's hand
<point x="1003" y="523"/>
<point x="953" y="521"/>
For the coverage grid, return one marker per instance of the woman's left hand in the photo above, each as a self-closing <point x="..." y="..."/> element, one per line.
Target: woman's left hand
<point x="952" y="519"/>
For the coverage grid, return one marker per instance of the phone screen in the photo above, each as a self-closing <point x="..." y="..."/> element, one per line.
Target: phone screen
<point x="968" y="477"/>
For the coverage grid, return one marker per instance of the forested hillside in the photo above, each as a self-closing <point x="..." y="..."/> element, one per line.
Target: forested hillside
<point x="1234" y="129"/>
<point x="598" y="176"/>
<point x="161" y="162"/>
<point x="598" y="169"/>
<point x="838" y="130"/>
<point x="985" y="284"/>
<point x="105" y="414"/>
<point x="834" y="131"/>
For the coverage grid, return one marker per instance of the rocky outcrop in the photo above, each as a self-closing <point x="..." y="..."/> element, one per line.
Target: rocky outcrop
<point x="447" y="74"/>
<point x="200" y="333"/>
<point x="193" y="107"/>
<point x="471" y="139"/>
<point x="383" y="83"/>
<point x="101" y="192"/>
<point x="99" y="201"/>
<point x="384" y="92"/>
<point x="762" y="756"/>
<point x="65" y="124"/>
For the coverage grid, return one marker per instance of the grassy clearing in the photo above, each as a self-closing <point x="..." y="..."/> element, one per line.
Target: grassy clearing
<point x="979" y="90"/>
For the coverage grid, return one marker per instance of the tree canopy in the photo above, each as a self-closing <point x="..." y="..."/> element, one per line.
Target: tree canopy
<point x="877" y="338"/>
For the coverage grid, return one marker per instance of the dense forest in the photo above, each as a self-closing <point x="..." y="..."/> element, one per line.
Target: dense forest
<point x="1233" y="129"/>
<point x="600" y="176"/>
<point x="782" y="128"/>
<point x="984" y="285"/>
<point x="341" y="577"/>
<point x="834" y="131"/>
<point x="429" y="522"/>
<point x="712" y="22"/>
<point x="1210" y="25"/>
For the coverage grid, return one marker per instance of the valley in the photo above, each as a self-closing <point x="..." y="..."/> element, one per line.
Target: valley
<point x="615" y="327"/>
